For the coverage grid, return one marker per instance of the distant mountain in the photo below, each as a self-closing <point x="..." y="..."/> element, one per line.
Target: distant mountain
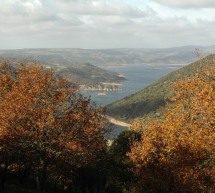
<point x="148" y="100"/>
<point x="100" y="57"/>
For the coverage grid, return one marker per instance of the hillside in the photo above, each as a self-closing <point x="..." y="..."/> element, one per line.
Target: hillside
<point x="89" y="75"/>
<point x="84" y="74"/>
<point x="152" y="97"/>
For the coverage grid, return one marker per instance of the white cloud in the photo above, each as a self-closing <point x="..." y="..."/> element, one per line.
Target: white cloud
<point x="48" y="16"/>
<point x="187" y="3"/>
<point x="100" y="24"/>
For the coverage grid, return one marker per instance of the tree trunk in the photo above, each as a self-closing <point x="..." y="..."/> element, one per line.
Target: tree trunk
<point x="171" y="183"/>
<point x="41" y="178"/>
<point x="4" y="172"/>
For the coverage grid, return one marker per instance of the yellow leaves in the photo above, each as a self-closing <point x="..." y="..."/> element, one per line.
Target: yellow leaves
<point x="74" y="146"/>
<point x="46" y="119"/>
<point x="77" y="117"/>
<point x="181" y="145"/>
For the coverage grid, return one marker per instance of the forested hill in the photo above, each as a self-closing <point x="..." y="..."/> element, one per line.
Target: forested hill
<point x="89" y="75"/>
<point x="148" y="100"/>
<point x="84" y="73"/>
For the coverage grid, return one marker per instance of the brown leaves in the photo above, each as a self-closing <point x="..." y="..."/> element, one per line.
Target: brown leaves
<point x="46" y="118"/>
<point x="181" y="146"/>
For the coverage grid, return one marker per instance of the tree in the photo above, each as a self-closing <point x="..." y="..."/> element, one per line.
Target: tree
<point x="118" y="165"/>
<point x="46" y="122"/>
<point x="177" y="153"/>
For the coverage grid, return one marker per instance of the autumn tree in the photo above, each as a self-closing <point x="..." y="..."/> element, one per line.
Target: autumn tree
<point x="177" y="153"/>
<point x="46" y="123"/>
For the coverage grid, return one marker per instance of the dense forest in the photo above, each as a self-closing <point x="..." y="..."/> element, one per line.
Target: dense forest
<point x="53" y="139"/>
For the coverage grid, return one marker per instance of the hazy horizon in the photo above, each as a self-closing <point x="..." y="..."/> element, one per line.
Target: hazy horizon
<point x="197" y="46"/>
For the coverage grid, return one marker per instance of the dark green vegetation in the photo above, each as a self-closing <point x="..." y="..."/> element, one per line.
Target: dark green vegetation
<point x="148" y="100"/>
<point x="119" y="167"/>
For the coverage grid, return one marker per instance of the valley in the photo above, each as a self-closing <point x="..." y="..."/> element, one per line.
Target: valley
<point x="142" y="102"/>
<point x="107" y="96"/>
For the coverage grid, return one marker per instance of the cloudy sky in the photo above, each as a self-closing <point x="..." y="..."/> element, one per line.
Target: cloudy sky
<point x="106" y="23"/>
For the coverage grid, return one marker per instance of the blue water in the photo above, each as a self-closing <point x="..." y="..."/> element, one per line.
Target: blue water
<point x="137" y="77"/>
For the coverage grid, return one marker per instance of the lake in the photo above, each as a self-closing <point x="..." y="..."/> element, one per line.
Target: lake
<point x="137" y="77"/>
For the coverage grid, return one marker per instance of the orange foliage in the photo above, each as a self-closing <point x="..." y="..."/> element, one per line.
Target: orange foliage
<point x="45" y="121"/>
<point x="177" y="154"/>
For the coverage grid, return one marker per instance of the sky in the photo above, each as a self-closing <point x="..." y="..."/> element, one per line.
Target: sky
<point x="98" y="24"/>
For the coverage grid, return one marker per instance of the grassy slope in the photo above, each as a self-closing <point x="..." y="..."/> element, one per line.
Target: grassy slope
<point x="152" y="97"/>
